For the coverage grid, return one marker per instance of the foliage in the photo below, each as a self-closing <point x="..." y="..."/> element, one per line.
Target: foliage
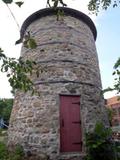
<point x="29" y="42"/>
<point x="5" y="109"/>
<point x="116" y="74"/>
<point x="3" y="132"/>
<point x="5" y="154"/>
<point x="17" y="72"/>
<point x="17" y="154"/>
<point x="19" y="3"/>
<point x="99" y="144"/>
<point x="55" y="3"/>
<point x="3" y="151"/>
<point x="96" y="5"/>
<point x="110" y="115"/>
<point x="7" y="1"/>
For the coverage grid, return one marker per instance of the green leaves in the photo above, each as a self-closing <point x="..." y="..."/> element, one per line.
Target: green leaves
<point x="63" y="4"/>
<point x="18" y="72"/>
<point x="96" y="5"/>
<point x="99" y="144"/>
<point x="115" y="5"/>
<point x="93" y="6"/>
<point x="110" y="113"/>
<point x="7" y="1"/>
<point x="29" y="42"/>
<point x="107" y="90"/>
<point x="20" y="3"/>
<point x="5" y="109"/>
<point x="2" y="55"/>
<point x="117" y="64"/>
<point x="106" y="4"/>
<point x="16" y="153"/>
<point x="102" y="131"/>
<point x="55" y="3"/>
<point x="116" y="74"/>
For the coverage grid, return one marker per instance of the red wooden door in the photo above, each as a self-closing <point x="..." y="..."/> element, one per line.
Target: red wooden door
<point x="70" y="124"/>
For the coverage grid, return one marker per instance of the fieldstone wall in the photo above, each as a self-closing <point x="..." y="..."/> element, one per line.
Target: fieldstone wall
<point x="66" y="53"/>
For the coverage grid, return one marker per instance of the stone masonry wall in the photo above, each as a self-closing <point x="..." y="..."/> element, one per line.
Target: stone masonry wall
<point x="66" y="51"/>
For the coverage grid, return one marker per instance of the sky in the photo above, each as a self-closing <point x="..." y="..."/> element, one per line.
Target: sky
<point x="107" y="43"/>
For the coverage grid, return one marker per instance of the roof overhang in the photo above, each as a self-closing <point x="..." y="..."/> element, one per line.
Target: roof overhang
<point x="50" y="11"/>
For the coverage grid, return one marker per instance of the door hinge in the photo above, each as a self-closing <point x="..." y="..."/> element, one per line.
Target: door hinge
<point x="77" y="122"/>
<point x="62" y="122"/>
<point x="78" y="143"/>
<point x="76" y="103"/>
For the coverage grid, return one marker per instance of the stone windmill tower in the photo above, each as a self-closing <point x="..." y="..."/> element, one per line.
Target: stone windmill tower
<point x="70" y="101"/>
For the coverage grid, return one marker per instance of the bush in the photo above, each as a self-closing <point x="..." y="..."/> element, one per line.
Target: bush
<point x="3" y="132"/>
<point x="99" y="144"/>
<point x="5" y="109"/>
<point x="5" y="154"/>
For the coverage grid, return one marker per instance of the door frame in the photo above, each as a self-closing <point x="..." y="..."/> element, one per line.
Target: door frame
<point x="82" y="130"/>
